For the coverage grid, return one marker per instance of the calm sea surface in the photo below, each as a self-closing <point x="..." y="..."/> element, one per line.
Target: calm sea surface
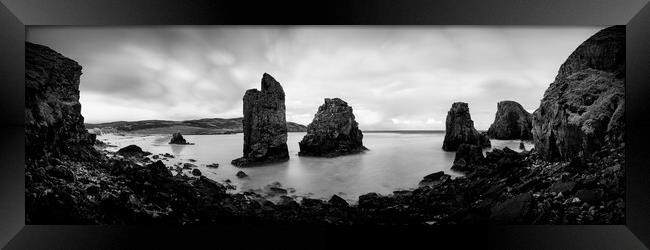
<point x="395" y="161"/>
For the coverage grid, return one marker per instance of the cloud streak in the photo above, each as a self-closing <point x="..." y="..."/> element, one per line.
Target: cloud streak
<point x="393" y="77"/>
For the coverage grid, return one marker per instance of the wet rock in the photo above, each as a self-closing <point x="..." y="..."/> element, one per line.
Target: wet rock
<point x="467" y="157"/>
<point x="177" y="138"/>
<point x="213" y="165"/>
<point x="511" y="122"/>
<point x="513" y="209"/>
<point x="189" y="166"/>
<point x="61" y="172"/>
<point x="132" y="151"/>
<point x="275" y="188"/>
<point x="264" y="125"/>
<point x="434" y="179"/>
<point x="196" y="172"/>
<point x="460" y="129"/>
<point x="309" y="202"/>
<point x="583" y="109"/>
<point x="562" y="186"/>
<point x="333" y="132"/>
<point x="521" y="146"/>
<point x="241" y="174"/>
<point x="337" y="201"/>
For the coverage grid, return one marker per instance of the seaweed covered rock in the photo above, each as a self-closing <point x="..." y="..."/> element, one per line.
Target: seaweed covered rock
<point x="583" y="109"/>
<point x="333" y="132"/>
<point x="511" y="122"/>
<point x="265" y="126"/>
<point x="54" y="126"/>
<point x="460" y="129"/>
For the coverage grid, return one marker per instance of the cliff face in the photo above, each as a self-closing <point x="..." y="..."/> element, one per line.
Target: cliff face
<point x="265" y="125"/>
<point x="583" y="109"/>
<point x="459" y="129"/>
<point x="54" y="126"/>
<point x="333" y="132"/>
<point x="512" y="121"/>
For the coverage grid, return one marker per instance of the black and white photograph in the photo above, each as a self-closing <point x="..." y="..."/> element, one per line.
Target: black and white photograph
<point x="325" y="125"/>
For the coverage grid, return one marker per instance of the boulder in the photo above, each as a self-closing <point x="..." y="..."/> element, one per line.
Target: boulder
<point x="337" y="201"/>
<point x="333" y="132"/>
<point x="54" y="126"/>
<point x="196" y="172"/>
<point x="241" y="174"/>
<point x="583" y="109"/>
<point x="511" y="122"/>
<point x="460" y="129"/>
<point x="177" y="138"/>
<point x="434" y="179"/>
<point x="132" y="151"/>
<point x="467" y="157"/>
<point x="264" y="125"/>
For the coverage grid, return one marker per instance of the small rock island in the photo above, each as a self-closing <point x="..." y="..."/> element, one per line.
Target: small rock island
<point x="511" y="122"/>
<point x="333" y="132"/>
<point x="265" y="125"/>
<point x="459" y="129"/>
<point x="177" y="138"/>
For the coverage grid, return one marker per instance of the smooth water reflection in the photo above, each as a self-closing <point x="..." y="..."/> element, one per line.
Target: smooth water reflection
<point x="395" y="161"/>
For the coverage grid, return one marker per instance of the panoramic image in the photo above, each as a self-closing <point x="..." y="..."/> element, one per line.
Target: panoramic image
<point x="325" y="125"/>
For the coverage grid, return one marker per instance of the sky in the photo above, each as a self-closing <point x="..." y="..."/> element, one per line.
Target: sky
<point x="394" y="77"/>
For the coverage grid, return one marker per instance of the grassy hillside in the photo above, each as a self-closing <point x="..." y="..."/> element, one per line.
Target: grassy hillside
<point x="190" y="127"/>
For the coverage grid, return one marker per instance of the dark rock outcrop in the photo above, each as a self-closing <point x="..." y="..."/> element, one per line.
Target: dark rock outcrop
<point x="583" y="109"/>
<point x="177" y="138"/>
<point x="467" y="156"/>
<point x="333" y="132"/>
<point x="511" y="122"/>
<point x="460" y="129"/>
<point x="265" y="126"/>
<point x="241" y="174"/>
<point x="54" y="127"/>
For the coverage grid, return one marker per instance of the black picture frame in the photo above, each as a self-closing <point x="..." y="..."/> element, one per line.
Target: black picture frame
<point x="15" y="15"/>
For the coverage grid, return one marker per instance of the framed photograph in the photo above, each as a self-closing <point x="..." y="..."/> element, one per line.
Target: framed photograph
<point x="471" y="124"/>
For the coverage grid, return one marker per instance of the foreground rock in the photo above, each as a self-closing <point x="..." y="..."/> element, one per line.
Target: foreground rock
<point x="132" y="151"/>
<point x="177" y="138"/>
<point x="583" y="109"/>
<point x="511" y="122"/>
<point x="467" y="156"/>
<point x="333" y="132"/>
<point x="265" y="126"/>
<point x="459" y="129"/>
<point x="53" y="123"/>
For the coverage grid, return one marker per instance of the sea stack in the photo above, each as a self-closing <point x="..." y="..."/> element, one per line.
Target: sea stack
<point x="264" y="125"/>
<point x="333" y="132"/>
<point x="511" y="122"/>
<point x="177" y="138"/>
<point x="459" y="129"/>
<point x="583" y="109"/>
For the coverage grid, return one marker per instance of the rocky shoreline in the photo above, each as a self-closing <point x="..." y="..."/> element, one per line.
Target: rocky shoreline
<point x="574" y="175"/>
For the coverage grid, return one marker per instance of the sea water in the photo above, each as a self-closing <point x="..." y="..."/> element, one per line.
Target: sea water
<point x="394" y="161"/>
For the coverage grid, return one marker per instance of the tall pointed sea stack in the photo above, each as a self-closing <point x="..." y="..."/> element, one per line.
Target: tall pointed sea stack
<point x="333" y="132"/>
<point x="583" y="109"/>
<point x="511" y="122"/>
<point x="264" y="125"/>
<point x="460" y="129"/>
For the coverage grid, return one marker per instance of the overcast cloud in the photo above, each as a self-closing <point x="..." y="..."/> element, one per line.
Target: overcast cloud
<point x="394" y="77"/>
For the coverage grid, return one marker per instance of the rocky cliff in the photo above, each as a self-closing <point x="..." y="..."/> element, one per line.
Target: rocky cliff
<point x="265" y="125"/>
<point x="333" y="132"/>
<point x="459" y="129"/>
<point x="583" y="109"/>
<point x="511" y="122"/>
<point x="54" y="127"/>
